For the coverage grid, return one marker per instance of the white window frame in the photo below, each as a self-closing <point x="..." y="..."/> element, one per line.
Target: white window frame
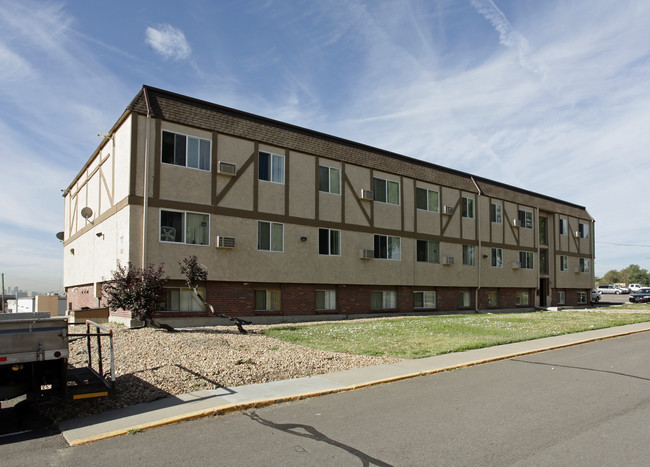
<point x="333" y="237"/>
<point x="496" y="257"/>
<point x="328" y="299"/>
<point x="467" y="205"/>
<point x="526" y="219"/>
<point x="390" y="199"/>
<point x="469" y="255"/>
<point x="496" y="213"/>
<point x="582" y="297"/>
<point x="427" y="300"/>
<point x="332" y="173"/>
<point x="162" y="233"/>
<point x="271" y="296"/>
<point x="388" y="299"/>
<point x="428" y="201"/>
<point x="199" y="141"/>
<point x="273" y="227"/>
<point x="564" y="226"/>
<point x="561" y="297"/>
<point x="275" y="174"/>
<point x="583" y="230"/>
<point x="583" y="264"/>
<point x="431" y="257"/>
<point x="393" y="247"/>
<point x="464" y="299"/>
<point x="184" y="295"/>
<point x="522" y="297"/>
<point x="564" y="263"/>
<point x="527" y="259"/>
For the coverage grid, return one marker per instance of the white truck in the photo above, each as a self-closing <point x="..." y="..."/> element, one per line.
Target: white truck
<point x="34" y="359"/>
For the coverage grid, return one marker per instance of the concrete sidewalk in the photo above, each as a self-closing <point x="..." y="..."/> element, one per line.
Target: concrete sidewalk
<point x="216" y="401"/>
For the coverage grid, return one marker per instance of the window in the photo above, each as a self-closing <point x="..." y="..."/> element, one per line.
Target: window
<point x="267" y="300"/>
<point x="493" y="299"/>
<point x="464" y="299"/>
<point x="427" y="200"/>
<point x="526" y="219"/>
<point x="329" y="179"/>
<point x="383" y="299"/>
<point x="582" y="297"/>
<point x="469" y="255"/>
<point x="426" y="299"/>
<point x="564" y="263"/>
<point x="326" y="299"/>
<point x="497" y="258"/>
<point x="584" y="264"/>
<point x="386" y="191"/>
<point x="583" y="230"/>
<point x="186" y="151"/>
<point x="184" y="227"/>
<point x="468" y="208"/>
<point x="182" y="299"/>
<point x="428" y="251"/>
<point x="522" y="297"/>
<point x="496" y="214"/>
<point x="543" y="231"/>
<point x="563" y="226"/>
<point x="387" y="247"/>
<point x="270" y="236"/>
<point x="526" y="259"/>
<point x="543" y="261"/>
<point x="561" y="297"/>
<point x="329" y="242"/>
<point x="271" y="167"/>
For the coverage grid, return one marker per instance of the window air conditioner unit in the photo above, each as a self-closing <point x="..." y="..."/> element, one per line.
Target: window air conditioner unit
<point x="368" y="194"/>
<point x="516" y="265"/>
<point x="516" y="223"/>
<point x="448" y="260"/>
<point x="226" y="168"/>
<point x="225" y="242"/>
<point x="576" y="270"/>
<point x="577" y="234"/>
<point x="367" y="254"/>
<point x="449" y="210"/>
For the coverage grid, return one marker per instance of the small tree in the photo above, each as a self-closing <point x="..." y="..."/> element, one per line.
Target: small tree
<point x="195" y="273"/>
<point x="137" y="290"/>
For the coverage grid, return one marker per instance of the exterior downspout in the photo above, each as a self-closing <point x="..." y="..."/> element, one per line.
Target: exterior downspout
<point x="479" y="253"/>
<point x="539" y="249"/>
<point x="145" y="204"/>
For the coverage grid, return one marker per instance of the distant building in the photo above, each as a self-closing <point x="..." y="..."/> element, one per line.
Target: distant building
<point x="293" y="223"/>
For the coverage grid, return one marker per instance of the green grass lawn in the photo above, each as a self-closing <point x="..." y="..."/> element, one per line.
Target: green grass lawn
<point x="420" y="337"/>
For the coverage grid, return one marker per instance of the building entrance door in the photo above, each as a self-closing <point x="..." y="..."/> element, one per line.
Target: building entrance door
<point x="543" y="292"/>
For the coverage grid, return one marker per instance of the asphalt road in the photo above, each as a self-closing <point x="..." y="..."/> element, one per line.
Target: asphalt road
<point x="583" y="405"/>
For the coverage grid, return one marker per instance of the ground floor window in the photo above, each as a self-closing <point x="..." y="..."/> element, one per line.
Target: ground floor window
<point x="326" y="299"/>
<point x="582" y="297"/>
<point x="267" y="300"/>
<point x="464" y="299"/>
<point x="561" y="297"/>
<point x="383" y="299"/>
<point x="182" y="299"/>
<point x="424" y="299"/>
<point x="522" y="297"/>
<point x="493" y="298"/>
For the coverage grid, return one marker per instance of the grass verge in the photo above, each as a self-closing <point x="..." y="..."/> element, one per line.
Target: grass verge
<point x="420" y="337"/>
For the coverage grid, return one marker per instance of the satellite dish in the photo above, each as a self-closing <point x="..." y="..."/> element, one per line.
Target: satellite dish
<point x="59" y="235"/>
<point x="86" y="212"/>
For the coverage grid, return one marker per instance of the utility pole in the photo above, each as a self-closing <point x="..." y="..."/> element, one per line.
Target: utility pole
<point x="3" y="292"/>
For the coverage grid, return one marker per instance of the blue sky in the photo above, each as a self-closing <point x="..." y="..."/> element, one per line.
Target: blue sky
<point x="551" y="96"/>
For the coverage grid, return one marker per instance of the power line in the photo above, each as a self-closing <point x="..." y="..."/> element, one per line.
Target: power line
<point x="624" y="244"/>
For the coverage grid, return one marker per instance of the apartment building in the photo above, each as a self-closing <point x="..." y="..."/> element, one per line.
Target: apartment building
<point x="292" y="223"/>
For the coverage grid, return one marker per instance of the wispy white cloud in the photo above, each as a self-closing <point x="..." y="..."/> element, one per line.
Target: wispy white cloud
<point x="168" y="41"/>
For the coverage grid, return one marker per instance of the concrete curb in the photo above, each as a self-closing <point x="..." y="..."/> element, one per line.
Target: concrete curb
<point x="75" y="436"/>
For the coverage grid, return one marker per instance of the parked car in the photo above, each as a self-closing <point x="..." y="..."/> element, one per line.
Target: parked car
<point x="622" y="288"/>
<point x="642" y="296"/>
<point x="635" y="287"/>
<point x="595" y="296"/>
<point x="609" y="288"/>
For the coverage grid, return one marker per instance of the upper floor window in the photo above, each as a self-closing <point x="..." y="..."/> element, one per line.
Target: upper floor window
<point x="583" y="230"/>
<point x="468" y="208"/>
<point x="386" y="191"/>
<point x="186" y="151"/>
<point x="526" y="259"/>
<point x="329" y="179"/>
<point x="496" y="214"/>
<point x="584" y="265"/>
<point x="428" y="251"/>
<point x="427" y="199"/>
<point x="564" y="263"/>
<point x="184" y="227"/>
<point x="271" y="167"/>
<point x="329" y="242"/>
<point x="270" y="236"/>
<point x="469" y="255"/>
<point x="388" y="247"/>
<point x="526" y="219"/>
<point x="563" y="227"/>
<point x="497" y="257"/>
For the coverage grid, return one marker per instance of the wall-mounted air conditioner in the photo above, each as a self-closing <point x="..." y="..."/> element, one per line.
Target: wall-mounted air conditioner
<point x="368" y="194"/>
<point x="367" y="254"/>
<point x="516" y="265"/>
<point x="226" y="168"/>
<point x="449" y="210"/>
<point x="516" y="223"/>
<point x="447" y="260"/>
<point x="577" y="233"/>
<point x="225" y="242"/>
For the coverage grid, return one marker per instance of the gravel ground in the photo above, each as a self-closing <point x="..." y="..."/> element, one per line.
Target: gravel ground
<point x="152" y="364"/>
